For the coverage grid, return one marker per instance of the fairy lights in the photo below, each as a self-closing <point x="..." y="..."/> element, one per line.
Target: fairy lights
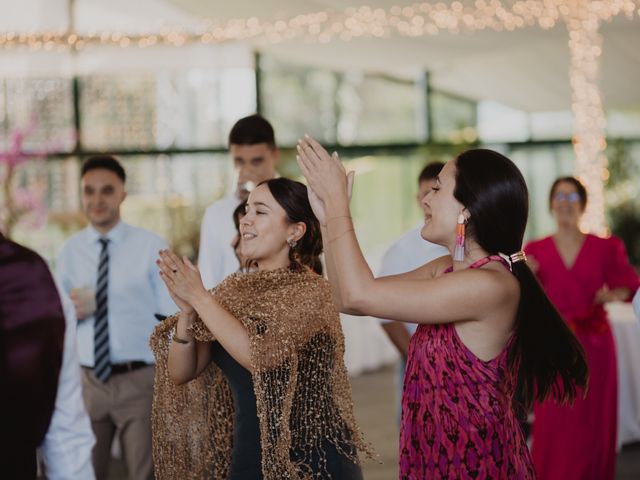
<point x="582" y="18"/>
<point x="585" y="45"/>
<point x="414" y="20"/>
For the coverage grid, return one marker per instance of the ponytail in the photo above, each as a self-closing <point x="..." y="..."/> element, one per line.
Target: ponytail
<point x="546" y="354"/>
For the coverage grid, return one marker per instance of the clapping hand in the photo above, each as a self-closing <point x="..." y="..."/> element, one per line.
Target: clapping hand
<point x="182" y="278"/>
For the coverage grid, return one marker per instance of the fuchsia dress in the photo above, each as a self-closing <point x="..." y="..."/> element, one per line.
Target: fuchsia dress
<point x="457" y="415"/>
<point x="579" y="441"/>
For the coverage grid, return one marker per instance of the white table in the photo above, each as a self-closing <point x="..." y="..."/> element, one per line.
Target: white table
<point x="626" y="330"/>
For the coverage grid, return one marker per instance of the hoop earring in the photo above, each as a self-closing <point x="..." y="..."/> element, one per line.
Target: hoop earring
<point x="458" y="253"/>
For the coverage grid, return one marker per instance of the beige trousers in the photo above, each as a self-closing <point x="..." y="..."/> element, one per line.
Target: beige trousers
<point x="121" y="406"/>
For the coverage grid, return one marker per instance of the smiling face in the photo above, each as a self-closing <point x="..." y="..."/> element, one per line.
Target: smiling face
<point x="442" y="209"/>
<point x="566" y="206"/>
<point x="265" y="230"/>
<point x="102" y="194"/>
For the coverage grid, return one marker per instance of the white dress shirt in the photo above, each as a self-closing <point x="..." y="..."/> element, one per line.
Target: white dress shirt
<point x="66" y="449"/>
<point x="216" y="259"/>
<point x="408" y="253"/>
<point x="636" y="304"/>
<point x="136" y="292"/>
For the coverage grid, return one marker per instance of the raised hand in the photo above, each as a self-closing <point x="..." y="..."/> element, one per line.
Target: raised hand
<point x="317" y="206"/>
<point x="325" y="173"/>
<point x="184" y="306"/>
<point x="182" y="279"/>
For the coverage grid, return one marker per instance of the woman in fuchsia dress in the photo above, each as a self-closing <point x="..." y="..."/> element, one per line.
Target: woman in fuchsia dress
<point x="580" y="273"/>
<point x="488" y="334"/>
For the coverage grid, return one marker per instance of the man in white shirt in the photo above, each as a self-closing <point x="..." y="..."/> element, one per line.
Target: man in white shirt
<point x="408" y="253"/>
<point x="66" y="449"/>
<point x="636" y="304"/>
<point x="109" y="270"/>
<point x="255" y="156"/>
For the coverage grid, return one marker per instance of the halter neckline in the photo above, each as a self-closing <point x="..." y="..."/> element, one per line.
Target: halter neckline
<point x="484" y="261"/>
<point x="487" y="259"/>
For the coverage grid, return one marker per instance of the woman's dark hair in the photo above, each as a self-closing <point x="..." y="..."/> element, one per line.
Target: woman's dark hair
<point x="547" y="356"/>
<point x="238" y="213"/>
<point x="292" y="197"/>
<point x="582" y="192"/>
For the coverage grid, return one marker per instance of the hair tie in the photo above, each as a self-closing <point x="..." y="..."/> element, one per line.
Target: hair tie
<point x="518" y="257"/>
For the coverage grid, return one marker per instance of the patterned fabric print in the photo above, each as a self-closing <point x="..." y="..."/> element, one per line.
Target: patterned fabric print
<point x="457" y="415"/>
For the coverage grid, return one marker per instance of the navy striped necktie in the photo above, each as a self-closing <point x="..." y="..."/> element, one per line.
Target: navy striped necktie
<point x="102" y="359"/>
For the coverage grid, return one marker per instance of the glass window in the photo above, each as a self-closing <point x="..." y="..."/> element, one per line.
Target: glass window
<point x="500" y="123"/>
<point x="623" y="123"/>
<point x="41" y="109"/>
<point x="453" y="118"/>
<point x="298" y="100"/>
<point x="118" y="112"/>
<point x="351" y="108"/>
<point x="191" y="109"/>
<point x="377" y="110"/>
<point x="551" y="125"/>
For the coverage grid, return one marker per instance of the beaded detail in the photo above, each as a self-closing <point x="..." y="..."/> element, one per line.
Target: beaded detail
<point x="302" y="389"/>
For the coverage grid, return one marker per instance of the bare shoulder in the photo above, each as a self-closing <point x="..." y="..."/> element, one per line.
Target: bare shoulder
<point x="496" y="284"/>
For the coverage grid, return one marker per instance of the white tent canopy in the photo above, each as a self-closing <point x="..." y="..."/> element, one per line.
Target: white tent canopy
<point x="525" y="68"/>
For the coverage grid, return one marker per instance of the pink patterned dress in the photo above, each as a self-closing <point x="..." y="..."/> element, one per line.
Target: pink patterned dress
<point x="457" y="415"/>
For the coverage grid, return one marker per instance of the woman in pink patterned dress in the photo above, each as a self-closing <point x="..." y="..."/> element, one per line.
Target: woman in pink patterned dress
<point x="580" y="273"/>
<point x="487" y="334"/>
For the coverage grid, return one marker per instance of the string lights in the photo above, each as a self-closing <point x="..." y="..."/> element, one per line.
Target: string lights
<point x="414" y="20"/>
<point x="582" y="18"/>
<point x="585" y="46"/>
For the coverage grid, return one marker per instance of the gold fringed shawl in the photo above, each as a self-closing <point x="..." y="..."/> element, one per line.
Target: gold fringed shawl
<point x="300" y="380"/>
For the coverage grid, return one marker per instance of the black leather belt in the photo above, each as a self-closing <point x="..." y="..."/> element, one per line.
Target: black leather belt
<point x="125" y="367"/>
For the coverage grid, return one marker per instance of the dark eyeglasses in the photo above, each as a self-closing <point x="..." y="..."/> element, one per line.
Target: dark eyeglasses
<point x="572" y="197"/>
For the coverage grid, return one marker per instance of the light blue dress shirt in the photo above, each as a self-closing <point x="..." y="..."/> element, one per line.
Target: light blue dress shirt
<point x="136" y="291"/>
<point x="408" y="253"/>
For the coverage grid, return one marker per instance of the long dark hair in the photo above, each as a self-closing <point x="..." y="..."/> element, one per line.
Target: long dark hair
<point x="292" y="197"/>
<point x="547" y="356"/>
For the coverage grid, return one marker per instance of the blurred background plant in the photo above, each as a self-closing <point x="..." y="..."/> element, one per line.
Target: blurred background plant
<point x="23" y="185"/>
<point x="623" y="198"/>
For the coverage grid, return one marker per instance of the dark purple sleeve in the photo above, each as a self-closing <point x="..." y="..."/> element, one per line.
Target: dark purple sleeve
<point x="31" y="341"/>
<point x="619" y="272"/>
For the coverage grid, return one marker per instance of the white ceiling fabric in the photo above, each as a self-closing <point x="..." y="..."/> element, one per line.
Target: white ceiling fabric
<point x="526" y="69"/>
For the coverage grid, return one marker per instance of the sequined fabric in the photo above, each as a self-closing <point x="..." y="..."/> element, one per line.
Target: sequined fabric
<point x="302" y="389"/>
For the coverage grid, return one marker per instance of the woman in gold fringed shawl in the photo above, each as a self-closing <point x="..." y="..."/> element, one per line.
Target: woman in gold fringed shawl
<point x="250" y="379"/>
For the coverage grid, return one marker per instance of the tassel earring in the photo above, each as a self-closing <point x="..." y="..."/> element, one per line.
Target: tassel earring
<point x="458" y="253"/>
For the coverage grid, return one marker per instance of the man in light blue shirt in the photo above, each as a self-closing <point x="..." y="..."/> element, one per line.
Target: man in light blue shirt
<point x="109" y="271"/>
<point x="408" y="253"/>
